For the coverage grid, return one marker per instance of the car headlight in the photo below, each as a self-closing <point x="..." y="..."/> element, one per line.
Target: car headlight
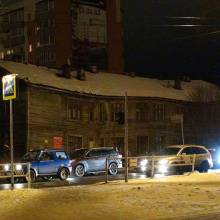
<point x="18" y="167"/>
<point x="163" y="162"/>
<point x="6" y="167"/>
<point x="144" y="162"/>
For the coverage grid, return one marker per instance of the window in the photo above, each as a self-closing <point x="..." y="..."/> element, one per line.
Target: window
<point x="115" y="109"/>
<point x="46" y="156"/>
<point x="74" y="142"/>
<point x="188" y="150"/>
<point x="93" y="153"/>
<point x="141" y="113"/>
<point x="91" y="114"/>
<point x="102" y="112"/>
<point x="61" y="155"/>
<point x="159" y="112"/>
<point x="159" y="143"/>
<point x="142" y="145"/>
<point x="74" y="111"/>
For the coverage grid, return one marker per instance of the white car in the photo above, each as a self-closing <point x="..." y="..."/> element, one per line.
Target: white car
<point x="178" y="159"/>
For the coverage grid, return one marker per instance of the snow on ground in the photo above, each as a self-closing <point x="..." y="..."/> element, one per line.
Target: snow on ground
<point x="104" y="83"/>
<point x="178" y="196"/>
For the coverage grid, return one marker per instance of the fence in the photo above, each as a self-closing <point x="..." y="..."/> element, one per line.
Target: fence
<point x="152" y="165"/>
<point x="20" y="171"/>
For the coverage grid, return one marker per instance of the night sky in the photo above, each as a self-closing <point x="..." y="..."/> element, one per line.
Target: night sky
<point x="156" y="45"/>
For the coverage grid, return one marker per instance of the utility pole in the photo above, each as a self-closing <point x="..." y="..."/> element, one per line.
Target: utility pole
<point x="126" y="138"/>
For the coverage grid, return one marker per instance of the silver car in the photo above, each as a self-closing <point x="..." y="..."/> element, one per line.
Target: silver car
<point x="93" y="160"/>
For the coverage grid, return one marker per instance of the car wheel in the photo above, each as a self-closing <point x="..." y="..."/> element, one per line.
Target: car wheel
<point x="79" y="170"/>
<point x="113" y="169"/>
<point x="64" y="174"/>
<point x="32" y="176"/>
<point x="204" y="167"/>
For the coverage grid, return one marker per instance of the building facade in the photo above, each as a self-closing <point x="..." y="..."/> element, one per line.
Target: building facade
<point x="52" y="33"/>
<point x="49" y="117"/>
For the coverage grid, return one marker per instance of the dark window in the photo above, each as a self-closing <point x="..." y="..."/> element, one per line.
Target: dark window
<point x="102" y="112"/>
<point x="46" y="156"/>
<point x="93" y="153"/>
<point x="116" y="109"/>
<point x="141" y="112"/>
<point x="188" y="150"/>
<point x="74" y="111"/>
<point x="159" y="112"/>
<point x="91" y="114"/>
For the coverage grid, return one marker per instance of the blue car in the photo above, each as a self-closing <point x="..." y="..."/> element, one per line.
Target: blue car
<point x="48" y="164"/>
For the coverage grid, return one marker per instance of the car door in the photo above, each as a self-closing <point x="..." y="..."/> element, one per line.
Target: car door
<point x="94" y="160"/>
<point x="201" y="156"/>
<point x="46" y="163"/>
<point x="187" y="156"/>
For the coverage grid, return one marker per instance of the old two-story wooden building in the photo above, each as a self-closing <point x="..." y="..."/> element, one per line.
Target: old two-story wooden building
<point x="53" y="110"/>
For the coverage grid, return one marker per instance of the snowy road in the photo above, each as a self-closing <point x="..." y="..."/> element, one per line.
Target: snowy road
<point x="73" y="181"/>
<point x="189" y="197"/>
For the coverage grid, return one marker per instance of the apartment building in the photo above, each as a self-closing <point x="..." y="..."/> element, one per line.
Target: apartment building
<point x="52" y="33"/>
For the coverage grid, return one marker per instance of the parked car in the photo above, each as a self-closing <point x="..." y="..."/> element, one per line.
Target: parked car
<point x="178" y="155"/>
<point x="93" y="160"/>
<point x="48" y="163"/>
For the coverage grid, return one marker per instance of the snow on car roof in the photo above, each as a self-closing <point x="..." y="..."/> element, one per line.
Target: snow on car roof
<point x="104" y="84"/>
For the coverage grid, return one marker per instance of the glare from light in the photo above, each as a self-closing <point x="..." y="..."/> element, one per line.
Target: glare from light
<point x="6" y="167"/>
<point x="163" y="169"/>
<point x="143" y="168"/>
<point x="163" y="162"/>
<point x="18" y="167"/>
<point x="144" y="162"/>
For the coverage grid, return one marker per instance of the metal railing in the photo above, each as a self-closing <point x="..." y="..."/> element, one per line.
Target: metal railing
<point x="20" y="170"/>
<point x="153" y="164"/>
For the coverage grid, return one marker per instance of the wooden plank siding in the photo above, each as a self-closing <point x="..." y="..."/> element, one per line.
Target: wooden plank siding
<point x="48" y="119"/>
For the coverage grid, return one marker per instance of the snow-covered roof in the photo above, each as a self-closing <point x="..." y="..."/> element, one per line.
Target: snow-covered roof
<point x="104" y="84"/>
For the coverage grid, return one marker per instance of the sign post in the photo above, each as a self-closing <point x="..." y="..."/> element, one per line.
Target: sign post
<point x="126" y="138"/>
<point x="9" y="93"/>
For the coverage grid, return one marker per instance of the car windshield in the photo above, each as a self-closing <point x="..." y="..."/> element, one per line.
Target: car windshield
<point x="171" y="151"/>
<point x="78" y="153"/>
<point x="31" y="156"/>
